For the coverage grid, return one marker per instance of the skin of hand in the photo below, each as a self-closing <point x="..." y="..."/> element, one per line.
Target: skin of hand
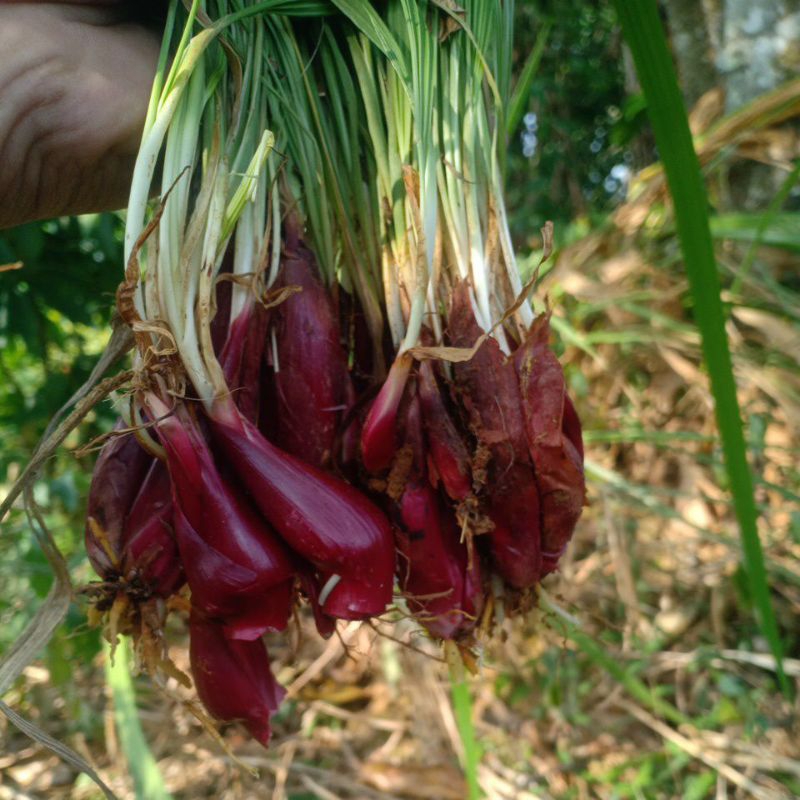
<point x="75" y="82"/>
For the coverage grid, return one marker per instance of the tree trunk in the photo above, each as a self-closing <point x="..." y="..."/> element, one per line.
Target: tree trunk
<point x="759" y="47"/>
<point x="692" y="48"/>
<point x="747" y="47"/>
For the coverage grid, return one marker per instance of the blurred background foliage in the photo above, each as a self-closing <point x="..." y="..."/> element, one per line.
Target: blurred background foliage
<point x="575" y="139"/>
<point x="654" y="572"/>
<point x="54" y="315"/>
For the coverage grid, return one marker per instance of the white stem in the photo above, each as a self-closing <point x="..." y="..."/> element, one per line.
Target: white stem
<point x="180" y="153"/>
<point x="429" y="208"/>
<point x="480" y="282"/>
<point x="394" y="310"/>
<point x="153" y="139"/>
<point x="454" y="219"/>
<point x="276" y="235"/>
<point x="212" y="254"/>
<point x="246" y="190"/>
<point x="243" y="258"/>
<point x="415" y="318"/>
<point x="525" y="312"/>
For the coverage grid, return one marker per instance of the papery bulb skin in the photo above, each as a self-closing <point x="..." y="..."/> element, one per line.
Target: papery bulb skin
<point x="325" y="520"/>
<point x="150" y="557"/>
<point x="233" y="678"/>
<point x="515" y="542"/>
<point x="448" y="454"/>
<point x="571" y="425"/>
<point x="118" y="474"/>
<point x="311" y="377"/>
<point x="554" y="439"/>
<point x="379" y="435"/>
<point x="490" y="393"/>
<point x="441" y="588"/>
<point x="488" y="386"/>
<point x="236" y="567"/>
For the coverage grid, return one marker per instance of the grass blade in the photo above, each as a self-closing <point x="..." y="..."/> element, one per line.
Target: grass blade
<point x="368" y="21"/>
<point x="644" y="35"/>
<point x="462" y="708"/>
<point x="147" y="781"/>
<point x="770" y="216"/>
<point x="522" y="90"/>
<point x="623" y="673"/>
<point x="774" y="229"/>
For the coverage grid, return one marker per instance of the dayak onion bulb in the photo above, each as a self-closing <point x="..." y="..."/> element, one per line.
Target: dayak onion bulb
<point x="270" y="457"/>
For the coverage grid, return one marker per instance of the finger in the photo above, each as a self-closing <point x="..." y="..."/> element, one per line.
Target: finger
<point x="72" y="105"/>
<point x="150" y="12"/>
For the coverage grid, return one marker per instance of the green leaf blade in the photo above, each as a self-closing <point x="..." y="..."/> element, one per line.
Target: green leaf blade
<point x="147" y="779"/>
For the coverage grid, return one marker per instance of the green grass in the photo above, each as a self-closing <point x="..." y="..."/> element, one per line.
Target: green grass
<point x="462" y="706"/>
<point x="772" y="227"/>
<point x="625" y="676"/>
<point x="522" y="90"/>
<point x="463" y="711"/>
<point x="147" y="780"/>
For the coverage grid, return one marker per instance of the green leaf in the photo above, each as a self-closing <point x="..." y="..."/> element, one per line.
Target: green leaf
<point x="645" y="36"/>
<point x="462" y="707"/>
<point x="624" y="675"/>
<point x="147" y="780"/>
<point x="522" y="90"/>
<point x="698" y="786"/>
<point x="781" y="229"/>
<point x="366" y="19"/>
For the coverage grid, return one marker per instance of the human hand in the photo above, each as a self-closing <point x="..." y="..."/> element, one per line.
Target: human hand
<point x="75" y="81"/>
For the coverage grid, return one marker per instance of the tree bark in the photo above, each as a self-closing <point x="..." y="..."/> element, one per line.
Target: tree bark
<point x="692" y="48"/>
<point x="759" y="47"/>
<point x="748" y="47"/>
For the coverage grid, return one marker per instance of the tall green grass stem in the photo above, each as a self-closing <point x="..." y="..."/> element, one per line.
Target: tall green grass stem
<point x="462" y="709"/>
<point x="522" y="90"/>
<point x="763" y="226"/>
<point x="148" y="783"/>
